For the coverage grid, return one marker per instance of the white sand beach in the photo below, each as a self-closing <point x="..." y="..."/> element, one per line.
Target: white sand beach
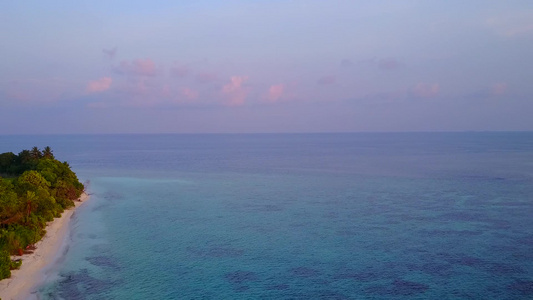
<point x="23" y="282"/>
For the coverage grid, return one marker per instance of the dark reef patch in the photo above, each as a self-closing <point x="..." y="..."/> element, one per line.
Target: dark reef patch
<point x="278" y="287"/>
<point x="504" y="269"/>
<point x="407" y="288"/>
<point x="450" y="233"/>
<point x="498" y="224"/>
<point x="524" y="287"/>
<point x="398" y="288"/>
<point x="103" y="261"/>
<point x="435" y="269"/>
<point x="304" y="272"/>
<point x="359" y="276"/>
<point x="470" y="261"/>
<point x="241" y="288"/>
<point x="463" y="260"/>
<point x="460" y="216"/>
<point x="75" y="285"/>
<point x="527" y="241"/>
<point x="269" y="208"/>
<point x="239" y="277"/>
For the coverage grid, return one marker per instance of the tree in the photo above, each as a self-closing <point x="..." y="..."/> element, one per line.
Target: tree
<point x="31" y="181"/>
<point x="38" y="188"/>
<point x="10" y="206"/>
<point x="35" y="153"/>
<point x="7" y="162"/>
<point x="5" y="264"/>
<point x="47" y="152"/>
<point x="49" y="169"/>
<point x="24" y="156"/>
<point x="30" y="199"/>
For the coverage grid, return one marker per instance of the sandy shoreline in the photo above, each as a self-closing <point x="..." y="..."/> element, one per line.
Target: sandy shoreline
<point x="24" y="281"/>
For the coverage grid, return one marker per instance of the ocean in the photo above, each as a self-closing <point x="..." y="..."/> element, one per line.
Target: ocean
<point x="297" y="216"/>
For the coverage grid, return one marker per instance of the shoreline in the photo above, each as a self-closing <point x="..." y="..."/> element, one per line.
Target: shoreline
<point x="25" y="281"/>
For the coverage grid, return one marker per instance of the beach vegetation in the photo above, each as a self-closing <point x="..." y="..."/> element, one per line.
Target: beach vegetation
<point x="35" y="188"/>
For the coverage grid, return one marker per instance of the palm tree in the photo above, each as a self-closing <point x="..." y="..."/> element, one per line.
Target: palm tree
<point x="24" y="156"/>
<point x="30" y="202"/>
<point x="35" y="153"/>
<point x="47" y="152"/>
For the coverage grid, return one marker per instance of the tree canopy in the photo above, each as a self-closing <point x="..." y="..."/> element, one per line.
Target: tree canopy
<point x="35" y="188"/>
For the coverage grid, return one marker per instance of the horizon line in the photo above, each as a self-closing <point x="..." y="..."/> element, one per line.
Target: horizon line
<point x="270" y="133"/>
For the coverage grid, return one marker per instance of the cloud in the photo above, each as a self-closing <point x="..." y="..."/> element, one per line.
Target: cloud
<point x="388" y="64"/>
<point x="39" y="91"/>
<point x="425" y="90"/>
<point x="327" y="80"/>
<point x="275" y="92"/>
<point x="18" y="95"/>
<point x="179" y="71"/>
<point x="513" y="24"/>
<point x="525" y="29"/>
<point x="499" y="89"/>
<point x="138" y="67"/>
<point x="110" y="53"/>
<point x="99" y="85"/>
<point x="384" y="64"/>
<point x="189" y="93"/>
<point x="234" y="91"/>
<point x="235" y="84"/>
<point x="138" y="87"/>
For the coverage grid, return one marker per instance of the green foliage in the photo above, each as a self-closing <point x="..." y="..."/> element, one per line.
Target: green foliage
<point x="5" y="264"/>
<point x="15" y="264"/>
<point x="7" y="163"/>
<point x="31" y="181"/>
<point x="37" y="189"/>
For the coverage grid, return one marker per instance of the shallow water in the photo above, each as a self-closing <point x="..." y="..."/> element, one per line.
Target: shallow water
<point x="310" y="216"/>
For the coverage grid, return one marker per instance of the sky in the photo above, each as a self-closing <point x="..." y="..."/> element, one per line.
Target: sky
<point x="236" y="66"/>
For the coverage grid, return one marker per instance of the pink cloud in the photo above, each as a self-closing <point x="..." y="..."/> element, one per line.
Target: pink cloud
<point x="99" y="85"/>
<point x="327" y="80"/>
<point x="520" y="30"/>
<point x="235" y="84"/>
<point x="138" y="67"/>
<point x="138" y="87"/>
<point x="136" y="92"/>
<point x="149" y="92"/>
<point x="165" y="91"/>
<point x="189" y="93"/>
<point x="39" y="91"/>
<point x="234" y="91"/>
<point x="179" y="71"/>
<point x="499" y="89"/>
<point x="275" y="92"/>
<point x="18" y="95"/>
<point x="512" y="25"/>
<point x="425" y="90"/>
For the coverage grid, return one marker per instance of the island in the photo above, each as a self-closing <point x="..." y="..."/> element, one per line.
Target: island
<point x="35" y="188"/>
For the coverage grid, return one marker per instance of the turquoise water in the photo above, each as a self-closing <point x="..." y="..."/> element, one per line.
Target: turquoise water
<point x="309" y="216"/>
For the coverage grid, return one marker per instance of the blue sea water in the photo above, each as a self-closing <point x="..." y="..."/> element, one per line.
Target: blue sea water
<point x="297" y="216"/>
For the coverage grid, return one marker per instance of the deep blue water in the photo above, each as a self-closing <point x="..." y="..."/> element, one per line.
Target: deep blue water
<point x="297" y="216"/>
